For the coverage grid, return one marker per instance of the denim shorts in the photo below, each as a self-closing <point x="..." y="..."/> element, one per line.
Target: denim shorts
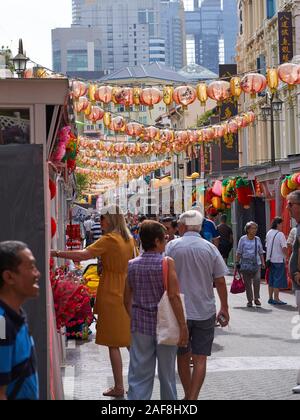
<point x="202" y="334"/>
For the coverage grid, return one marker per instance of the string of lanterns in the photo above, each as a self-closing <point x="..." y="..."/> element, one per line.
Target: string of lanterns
<point x="94" y="163"/>
<point x="165" y="141"/>
<point x="86" y="96"/>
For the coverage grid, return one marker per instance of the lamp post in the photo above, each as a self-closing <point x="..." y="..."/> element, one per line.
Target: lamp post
<point x="20" y="61"/>
<point x="268" y="111"/>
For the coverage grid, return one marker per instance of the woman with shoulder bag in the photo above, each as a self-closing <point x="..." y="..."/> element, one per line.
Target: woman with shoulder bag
<point x="277" y="252"/>
<point x="250" y="259"/>
<point x="143" y="293"/>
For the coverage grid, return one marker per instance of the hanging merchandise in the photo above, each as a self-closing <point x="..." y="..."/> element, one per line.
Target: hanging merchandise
<point x="229" y="191"/>
<point x="52" y="187"/>
<point x="217" y="189"/>
<point x="244" y="192"/>
<point x="289" y="184"/>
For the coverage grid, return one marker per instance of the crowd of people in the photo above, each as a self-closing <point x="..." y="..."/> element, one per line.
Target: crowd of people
<point x="133" y="252"/>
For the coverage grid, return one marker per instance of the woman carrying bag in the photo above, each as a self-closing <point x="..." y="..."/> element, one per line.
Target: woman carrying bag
<point x="249" y="260"/>
<point x="277" y="252"/>
<point x="144" y="291"/>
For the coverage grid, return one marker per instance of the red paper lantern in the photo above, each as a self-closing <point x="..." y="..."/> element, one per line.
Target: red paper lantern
<point x="254" y="83"/>
<point x="118" y="124"/>
<point x="152" y="133"/>
<point x="219" y="91"/>
<point x="104" y="94"/>
<point x="289" y="73"/>
<point x="53" y="227"/>
<point x="96" y="114"/>
<point x="52" y="187"/>
<point x="82" y="104"/>
<point x="151" y="97"/>
<point x="134" y="129"/>
<point x="79" y="89"/>
<point x="123" y="96"/>
<point x="185" y="95"/>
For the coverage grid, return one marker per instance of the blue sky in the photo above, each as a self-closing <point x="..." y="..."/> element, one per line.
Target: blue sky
<point x="32" y="20"/>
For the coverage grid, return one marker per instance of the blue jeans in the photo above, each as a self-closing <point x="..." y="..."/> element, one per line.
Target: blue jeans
<point x="144" y="352"/>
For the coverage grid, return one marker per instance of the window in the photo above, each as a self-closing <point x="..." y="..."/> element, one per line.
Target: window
<point x="57" y="61"/>
<point x="77" y="60"/>
<point x="271" y="8"/>
<point x="14" y="126"/>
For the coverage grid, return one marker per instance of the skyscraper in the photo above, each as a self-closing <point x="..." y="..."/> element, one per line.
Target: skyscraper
<point x="127" y="33"/>
<point x="211" y="31"/>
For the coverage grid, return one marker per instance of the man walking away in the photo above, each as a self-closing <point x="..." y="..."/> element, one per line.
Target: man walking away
<point x="294" y="209"/>
<point x="198" y="265"/>
<point x="226" y="238"/>
<point x="19" y="281"/>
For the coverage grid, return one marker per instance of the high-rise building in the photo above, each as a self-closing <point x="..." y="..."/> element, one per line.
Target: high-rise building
<point x="211" y="32"/>
<point x="112" y="35"/>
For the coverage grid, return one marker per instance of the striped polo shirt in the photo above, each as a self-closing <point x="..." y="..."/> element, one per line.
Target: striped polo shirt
<point x="17" y="355"/>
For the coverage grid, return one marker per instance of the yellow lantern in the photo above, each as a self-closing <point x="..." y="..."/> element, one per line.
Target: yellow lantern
<point x="168" y="95"/>
<point x="273" y="79"/>
<point x="235" y="87"/>
<point x="107" y="119"/>
<point x="202" y="93"/>
<point x="91" y="92"/>
<point x="136" y="96"/>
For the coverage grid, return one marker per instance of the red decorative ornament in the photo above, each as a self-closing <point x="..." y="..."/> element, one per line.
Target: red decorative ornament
<point x="151" y="97"/>
<point x="82" y="104"/>
<point x="124" y="96"/>
<point x="289" y="73"/>
<point x="253" y="83"/>
<point x="79" y="89"/>
<point x="118" y="124"/>
<point x="53" y="227"/>
<point x="96" y="114"/>
<point x="104" y="94"/>
<point x="185" y="95"/>
<point x="52" y="187"/>
<point x="219" y="91"/>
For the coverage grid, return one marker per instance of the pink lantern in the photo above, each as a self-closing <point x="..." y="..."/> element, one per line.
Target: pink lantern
<point x="208" y="134"/>
<point x="104" y="94"/>
<point x="79" y="89"/>
<point x="193" y="136"/>
<point x="217" y="189"/>
<point x="124" y="96"/>
<point x="134" y="129"/>
<point x="219" y="91"/>
<point x="151" y="97"/>
<point x="233" y="127"/>
<point x="289" y="73"/>
<point x="152" y="133"/>
<point x="118" y="124"/>
<point x="253" y="83"/>
<point x="219" y="131"/>
<point x="166" y="136"/>
<point x="82" y="104"/>
<point x="184" y="95"/>
<point x="96" y="114"/>
<point x="181" y="137"/>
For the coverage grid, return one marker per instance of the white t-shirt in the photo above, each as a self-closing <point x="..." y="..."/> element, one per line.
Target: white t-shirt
<point x="292" y="237"/>
<point x="279" y="244"/>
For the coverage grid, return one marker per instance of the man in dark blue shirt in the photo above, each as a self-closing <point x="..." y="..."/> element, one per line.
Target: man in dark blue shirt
<point x="19" y="278"/>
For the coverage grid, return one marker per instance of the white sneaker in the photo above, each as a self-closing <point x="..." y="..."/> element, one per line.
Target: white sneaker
<point x="296" y="390"/>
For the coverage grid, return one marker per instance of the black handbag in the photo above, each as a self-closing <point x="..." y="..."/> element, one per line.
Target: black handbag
<point x="268" y="262"/>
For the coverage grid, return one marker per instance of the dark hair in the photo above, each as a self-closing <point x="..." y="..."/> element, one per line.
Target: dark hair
<point x="171" y="220"/>
<point x="276" y="222"/>
<point x="149" y="232"/>
<point x="224" y="218"/>
<point x="9" y="257"/>
<point x="142" y="219"/>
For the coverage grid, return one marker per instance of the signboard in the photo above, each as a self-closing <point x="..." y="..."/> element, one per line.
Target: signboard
<point x="230" y="143"/>
<point x="285" y="33"/>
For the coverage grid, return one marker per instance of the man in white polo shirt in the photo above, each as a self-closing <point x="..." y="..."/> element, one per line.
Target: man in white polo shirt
<point x="198" y="265"/>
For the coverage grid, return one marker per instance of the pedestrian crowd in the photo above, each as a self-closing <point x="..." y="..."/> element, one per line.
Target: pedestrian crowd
<point x="143" y="259"/>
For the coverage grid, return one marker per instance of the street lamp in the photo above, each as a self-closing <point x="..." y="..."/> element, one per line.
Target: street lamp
<point x="268" y="111"/>
<point x="20" y="61"/>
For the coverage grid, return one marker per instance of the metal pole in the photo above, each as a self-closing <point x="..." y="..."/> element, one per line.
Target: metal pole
<point x="273" y="159"/>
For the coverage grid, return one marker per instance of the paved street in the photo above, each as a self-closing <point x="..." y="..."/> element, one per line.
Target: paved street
<point x="255" y="358"/>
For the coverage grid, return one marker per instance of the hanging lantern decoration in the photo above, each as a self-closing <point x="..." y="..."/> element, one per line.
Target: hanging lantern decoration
<point x="82" y="104"/>
<point x="124" y="96"/>
<point x="251" y="117"/>
<point x="118" y="124"/>
<point x="184" y="95"/>
<point x="137" y="96"/>
<point x="92" y="91"/>
<point x="167" y="136"/>
<point x="52" y="187"/>
<point x="134" y="129"/>
<point x="53" y="227"/>
<point x="79" y="89"/>
<point x="235" y="87"/>
<point x="220" y="131"/>
<point x="193" y="137"/>
<point x="181" y="137"/>
<point x="151" y="97"/>
<point x="289" y="73"/>
<point x="273" y="80"/>
<point x="244" y="192"/>
<point x="96" y="114"/>
<point x="254" y="83"/>
<point x="217" y="189"/>
<point x="107" y="119"/>
<point x="152" y="133"/>
<point x="201" y="91"/>
<point x="219" y="91"/>
<point x="168" y="92"/>
<point x="208" y="134"/>
<point x="233" y="127"/>
<point x="104" y="94"/>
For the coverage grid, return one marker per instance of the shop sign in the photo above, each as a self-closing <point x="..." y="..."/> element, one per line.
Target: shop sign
<point x="285" y="29"/>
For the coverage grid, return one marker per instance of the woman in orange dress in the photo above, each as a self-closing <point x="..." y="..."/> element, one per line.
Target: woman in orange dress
<point x="115" y="248"/>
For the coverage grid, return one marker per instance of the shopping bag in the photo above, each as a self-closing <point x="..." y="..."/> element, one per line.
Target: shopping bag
<point x="167" y="331"/>
<point x="238" y="285"/>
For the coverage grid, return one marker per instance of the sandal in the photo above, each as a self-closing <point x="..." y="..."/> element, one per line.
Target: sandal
<point x="114" y="392"/>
